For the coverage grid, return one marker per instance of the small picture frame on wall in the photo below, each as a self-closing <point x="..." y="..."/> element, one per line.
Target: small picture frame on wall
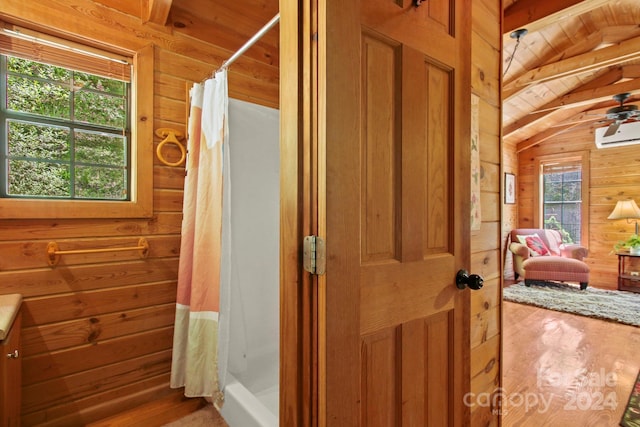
<point x="509" y="188"/>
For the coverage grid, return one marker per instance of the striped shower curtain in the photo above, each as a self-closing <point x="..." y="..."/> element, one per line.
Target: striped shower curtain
<point x="200" y="342"/>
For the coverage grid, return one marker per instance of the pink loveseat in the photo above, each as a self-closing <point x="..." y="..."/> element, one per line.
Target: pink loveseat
<point x="539" y="255"/>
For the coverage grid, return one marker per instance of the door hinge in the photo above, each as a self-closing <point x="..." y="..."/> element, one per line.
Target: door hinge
<point x="313" y="254"/>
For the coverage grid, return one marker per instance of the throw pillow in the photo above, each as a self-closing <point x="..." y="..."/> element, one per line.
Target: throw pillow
<point x="535" y="244"/>
<point x="554" y="240"/>
<point x="522" y="239"/>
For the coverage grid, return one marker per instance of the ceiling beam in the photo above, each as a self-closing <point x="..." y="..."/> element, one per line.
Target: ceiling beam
<point x="595" y="113"/>
<point x="156" y="11"/>
<point x="570" y="50"/>
<point x="587" y="115"/>
<point x="591" y="96"/>
<point x="572" y="122"/>
<point x="606" y="79"/>
<point x="621" y="52"/>
<point x="537" y="14"/>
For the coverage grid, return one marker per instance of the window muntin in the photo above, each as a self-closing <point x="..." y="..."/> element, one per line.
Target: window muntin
<point x="65" y="133"/>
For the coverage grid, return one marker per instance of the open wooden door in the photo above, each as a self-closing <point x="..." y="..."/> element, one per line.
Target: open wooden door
<point x="393" y="149"/>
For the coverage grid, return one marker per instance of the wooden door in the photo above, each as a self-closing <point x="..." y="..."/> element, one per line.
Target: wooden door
<point x="393" y="134"/>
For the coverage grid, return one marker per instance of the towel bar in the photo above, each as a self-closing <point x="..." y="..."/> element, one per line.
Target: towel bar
<point x="54" y="253"/>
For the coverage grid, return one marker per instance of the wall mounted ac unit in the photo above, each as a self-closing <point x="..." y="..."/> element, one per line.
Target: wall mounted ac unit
<point x="627" y="134"/>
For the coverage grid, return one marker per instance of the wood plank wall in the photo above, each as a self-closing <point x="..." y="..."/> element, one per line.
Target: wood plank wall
<point x="486" y="247"/>
<point x="614" y="175"/>
<point x="98" y="329"/>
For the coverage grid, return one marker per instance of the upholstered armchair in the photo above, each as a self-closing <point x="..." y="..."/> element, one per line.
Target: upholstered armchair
<point x="540" y="255"/>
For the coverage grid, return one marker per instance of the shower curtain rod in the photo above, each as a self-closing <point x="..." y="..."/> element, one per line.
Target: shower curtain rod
<point x="257" y="36"/>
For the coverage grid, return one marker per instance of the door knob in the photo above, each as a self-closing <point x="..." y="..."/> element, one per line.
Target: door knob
<point x="464" y="279"/>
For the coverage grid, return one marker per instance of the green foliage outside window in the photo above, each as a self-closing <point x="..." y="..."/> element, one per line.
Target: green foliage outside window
<point x="64" y="133"/>
<point x="562" y="201"/>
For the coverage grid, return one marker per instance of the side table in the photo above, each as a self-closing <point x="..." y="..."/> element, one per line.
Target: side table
<point x="628" y="272"/>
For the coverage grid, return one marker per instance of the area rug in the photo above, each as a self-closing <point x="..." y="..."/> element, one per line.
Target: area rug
<point x="618" y="306"/>
<point x="631" y="417"/>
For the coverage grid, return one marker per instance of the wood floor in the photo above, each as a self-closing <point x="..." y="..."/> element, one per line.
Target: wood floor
<point x="173" y="409"/>
<point x="159" y="412"/>
<point x="565" y="370"/>
<point x="558" y="370"/>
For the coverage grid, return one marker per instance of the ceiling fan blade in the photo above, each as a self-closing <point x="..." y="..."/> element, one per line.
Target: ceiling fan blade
<point x="613" y="128"/>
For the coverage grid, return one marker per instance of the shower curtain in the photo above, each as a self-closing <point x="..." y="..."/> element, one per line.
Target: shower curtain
<point x="200" y="342"/>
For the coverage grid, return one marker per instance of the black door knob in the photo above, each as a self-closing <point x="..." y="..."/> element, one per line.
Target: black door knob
<point x="464" y="279"/>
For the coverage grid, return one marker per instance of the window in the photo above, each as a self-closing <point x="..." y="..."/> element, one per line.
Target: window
<point x="66" y="132"/>
<point x="75" y="129"/>
<point x="563" y="196"/>
<point x="562" y="199"/>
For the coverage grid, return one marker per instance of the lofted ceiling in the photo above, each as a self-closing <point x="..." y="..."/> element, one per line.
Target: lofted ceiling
<point x="576" y="55"/>
<point x="565" y="71"/>
<point x="225" y="24"/>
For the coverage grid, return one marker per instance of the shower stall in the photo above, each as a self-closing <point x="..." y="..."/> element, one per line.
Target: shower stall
<point x="251" y="391"/>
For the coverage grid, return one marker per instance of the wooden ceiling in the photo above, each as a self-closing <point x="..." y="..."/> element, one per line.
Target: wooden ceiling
<point x="563" y="74"/>
<point x="210" y="32"/>
<point x="566" y="69"/>
<point x="229" y="24"/>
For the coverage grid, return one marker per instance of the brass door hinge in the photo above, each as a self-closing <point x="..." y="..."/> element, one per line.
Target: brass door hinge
<point x="313" y="254"/>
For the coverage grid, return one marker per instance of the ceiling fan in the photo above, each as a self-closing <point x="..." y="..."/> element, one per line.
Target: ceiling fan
<point x="621" y="113"/>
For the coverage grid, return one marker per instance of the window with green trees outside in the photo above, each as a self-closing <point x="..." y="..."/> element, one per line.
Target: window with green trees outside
<point x="66" y="132"/>
<point x="562" y="199"/>
<point x="76" y="127"/>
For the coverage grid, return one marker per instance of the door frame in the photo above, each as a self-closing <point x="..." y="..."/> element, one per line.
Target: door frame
<point x="298" y="214"/>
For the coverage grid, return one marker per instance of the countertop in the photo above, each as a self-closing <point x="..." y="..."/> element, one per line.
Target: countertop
<point x="9" y="306"/>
